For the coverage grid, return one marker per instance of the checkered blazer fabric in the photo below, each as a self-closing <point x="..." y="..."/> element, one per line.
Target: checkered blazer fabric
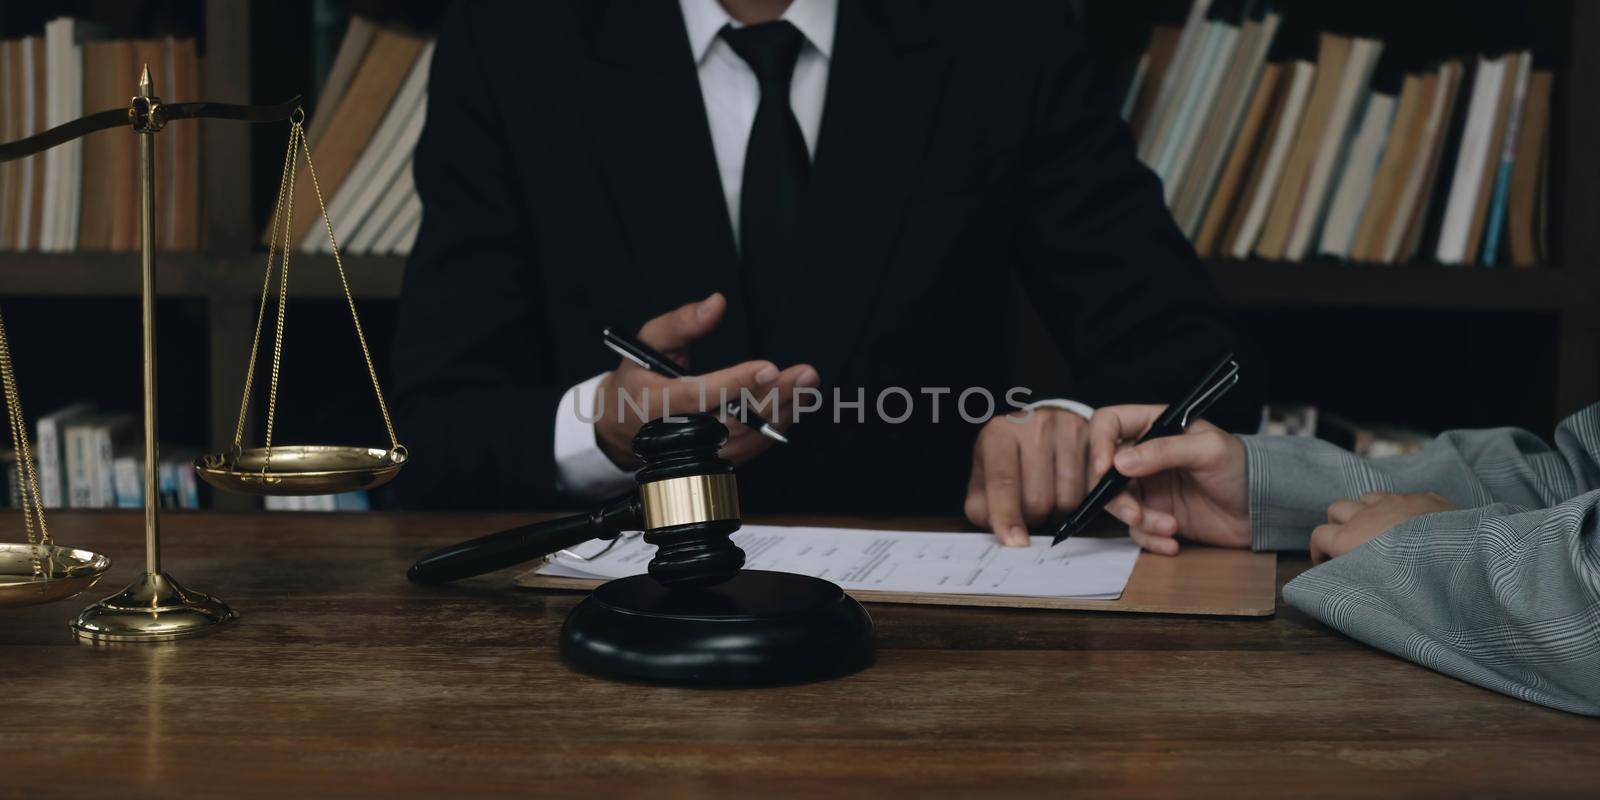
<point x="1504" y="593"/>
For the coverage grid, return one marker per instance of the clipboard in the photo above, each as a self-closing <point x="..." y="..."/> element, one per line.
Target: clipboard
<point x="1202" y="581"/>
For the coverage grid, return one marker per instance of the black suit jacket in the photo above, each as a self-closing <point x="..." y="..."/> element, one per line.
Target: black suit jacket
<point x="568" y="180"/>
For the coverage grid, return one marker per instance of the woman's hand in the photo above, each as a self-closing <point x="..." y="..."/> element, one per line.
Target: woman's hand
<point x="1191" y="485"/>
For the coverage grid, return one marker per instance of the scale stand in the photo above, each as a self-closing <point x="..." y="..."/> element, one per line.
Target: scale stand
<point x="154" y="608"/>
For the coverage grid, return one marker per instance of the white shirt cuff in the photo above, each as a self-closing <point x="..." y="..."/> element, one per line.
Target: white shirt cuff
<point x="1065" y="405"/>
<point x="582" y="468"/>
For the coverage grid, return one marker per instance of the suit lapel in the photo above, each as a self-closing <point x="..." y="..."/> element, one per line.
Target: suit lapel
<point x="650" y="136"/>
<point x="884" y="85"/>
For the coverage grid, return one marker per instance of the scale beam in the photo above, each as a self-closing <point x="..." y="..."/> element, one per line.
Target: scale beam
<point x="117" y="117"/>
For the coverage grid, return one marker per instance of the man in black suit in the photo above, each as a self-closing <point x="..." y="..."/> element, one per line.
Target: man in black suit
<point x="819" y="194"/>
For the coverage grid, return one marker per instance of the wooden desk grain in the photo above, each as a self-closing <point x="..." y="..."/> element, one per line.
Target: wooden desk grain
<point x="342" y="680"/>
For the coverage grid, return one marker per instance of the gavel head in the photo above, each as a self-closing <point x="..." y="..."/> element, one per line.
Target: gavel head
<point x="689" y="499"/>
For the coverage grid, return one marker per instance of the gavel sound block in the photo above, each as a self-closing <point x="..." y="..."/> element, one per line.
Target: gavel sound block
<point x="697" y="617"/>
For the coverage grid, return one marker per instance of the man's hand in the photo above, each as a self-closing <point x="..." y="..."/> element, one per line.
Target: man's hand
<point x="671" y="333"/>
<point x="1191" y="485"/>
<point x="1352" y="523"/>
<point x="1024" y="468"/>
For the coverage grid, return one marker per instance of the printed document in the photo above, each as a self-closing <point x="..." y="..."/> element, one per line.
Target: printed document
<point x="895" y="561"/>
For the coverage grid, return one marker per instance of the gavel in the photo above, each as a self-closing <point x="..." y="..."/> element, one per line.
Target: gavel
<point x="697" y="617"/>
<point x="687" y="504"/>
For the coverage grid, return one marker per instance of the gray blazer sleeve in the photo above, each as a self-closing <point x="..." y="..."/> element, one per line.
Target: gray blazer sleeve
<point x="1293" y="479"/>
<point x="1504" y="594"/>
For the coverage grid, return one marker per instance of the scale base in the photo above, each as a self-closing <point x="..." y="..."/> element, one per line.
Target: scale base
<point x="757" y="628"/>
<point x="155" y="608"/>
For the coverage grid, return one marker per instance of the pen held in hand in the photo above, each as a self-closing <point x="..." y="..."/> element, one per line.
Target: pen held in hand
<point x="1173" y="421"/>
<point x="649" y="358"/>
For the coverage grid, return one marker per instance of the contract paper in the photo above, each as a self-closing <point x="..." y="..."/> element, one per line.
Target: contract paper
<point x="896" y="561"/>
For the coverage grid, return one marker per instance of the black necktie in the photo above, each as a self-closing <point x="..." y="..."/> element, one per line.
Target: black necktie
<point x="776" y="162"/>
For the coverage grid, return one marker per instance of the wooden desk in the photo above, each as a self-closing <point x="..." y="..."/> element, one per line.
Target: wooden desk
<point x="342" y="680"/>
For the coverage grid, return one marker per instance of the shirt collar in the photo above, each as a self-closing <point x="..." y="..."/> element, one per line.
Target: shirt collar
<point x="816" y="20"/>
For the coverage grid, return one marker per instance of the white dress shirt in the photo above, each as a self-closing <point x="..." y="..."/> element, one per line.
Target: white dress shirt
<point x="731" y="93"/>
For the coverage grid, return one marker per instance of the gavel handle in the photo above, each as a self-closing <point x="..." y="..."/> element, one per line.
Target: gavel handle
<point x="517" y="545"/>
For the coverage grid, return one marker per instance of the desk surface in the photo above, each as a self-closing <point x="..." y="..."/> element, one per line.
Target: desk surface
<point x="343" y="680"/>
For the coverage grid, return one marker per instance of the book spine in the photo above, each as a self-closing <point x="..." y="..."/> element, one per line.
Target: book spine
<point x="49" y="453"/>
<point x="1135" y="84"/>
<point x="104" y="491"/>
<point x="168" y="477"/>
<point x="1508" y="155"/>
<point x="188" y="488"/>
<point x="129" y="482"/>
<point x="78" y="464"/>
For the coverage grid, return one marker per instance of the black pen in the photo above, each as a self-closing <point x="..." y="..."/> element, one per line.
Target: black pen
<point x="1173" y="421"/>
<point x="641" y="354"/>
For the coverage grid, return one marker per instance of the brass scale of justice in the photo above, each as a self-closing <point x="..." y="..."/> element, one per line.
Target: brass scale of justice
<point x="155" y="607"/>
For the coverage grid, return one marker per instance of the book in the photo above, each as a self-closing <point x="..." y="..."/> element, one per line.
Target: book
<point x="1393" y="166"/>
<point x="1152" y="73"/>
<point x="1491" y="158"/>
<point x="1265" y="195"/>
<point x="380" y="162"/>
<point x="8" y="462"/>
<point x="1354" y="189"/>
<point x="1333" y="52"/>
<point x="31" y="210"/>
<point x="1494" y="222"/>
<point x="1532" y="142"/>
<point x="102" y="155"/>
<point x="10" y="130"/>
<point x="19" y="104"/>
<point x="408" y="237"/>
<point x="1223" y="126"/>
<point x="111" y="436"/>
<point x="1196" y="104"/>
<point x="63" y="163"/>
<point x="167" y="480"/>
<point x="81" y="458"/>
<point x="1471" y="161"/>
<point x="352" y="501"/>
<point x="402" y="230"/>
<point x="124" y="178"/>
<point x="1135" y="82"/>
<point x="1417" y="197"/>
<point x="364" y="239"/>
<point x="92" y="444"/>
<point x="1333" y="147"/>
<point x="50" y="447"/>
<point x="1178" y="75"/>
<point x="383" y="69"/>
<point x="358" y="35"/>
<point x="129" y="481"/>
<point x="184" y="202"/>
<point x="1243" y="157"/>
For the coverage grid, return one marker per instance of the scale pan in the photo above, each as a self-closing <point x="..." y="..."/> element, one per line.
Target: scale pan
<point x="66" y="572"/>
<point x="306" y="469"/>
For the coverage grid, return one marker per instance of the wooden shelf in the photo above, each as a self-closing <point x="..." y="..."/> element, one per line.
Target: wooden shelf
<point x="1245" y="284"/>
<point x="192" y="275"/>
<point x="1335" y="284"/>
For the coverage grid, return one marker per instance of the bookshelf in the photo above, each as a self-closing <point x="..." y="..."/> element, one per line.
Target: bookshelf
<point x="1455" y="346"/>
<point x="1542" y="326"/>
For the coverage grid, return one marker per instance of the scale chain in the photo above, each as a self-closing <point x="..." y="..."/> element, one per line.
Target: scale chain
<point x="344" y="283"/>
<point x="29" y="497"/>
<point x="279" y="246"/>
<point x="266" y="294"/>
